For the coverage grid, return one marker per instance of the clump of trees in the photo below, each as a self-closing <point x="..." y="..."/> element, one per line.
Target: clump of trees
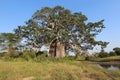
<point x="48" y="24"/>
<point x="102" y="54"/>
<point x="117" y="50"/>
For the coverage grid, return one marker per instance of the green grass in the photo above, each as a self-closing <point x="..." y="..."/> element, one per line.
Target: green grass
<point x="56" y="69"/>
<point x="112" y="58"/>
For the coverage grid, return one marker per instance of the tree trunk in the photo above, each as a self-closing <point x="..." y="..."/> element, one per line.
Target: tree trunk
<point x="57" y="49"/>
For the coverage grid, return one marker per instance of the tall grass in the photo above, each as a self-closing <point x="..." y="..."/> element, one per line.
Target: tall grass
<point x="54" y="69"/>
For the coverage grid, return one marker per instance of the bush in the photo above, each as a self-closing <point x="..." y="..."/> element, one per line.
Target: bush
<point x="112" y="54"/>
<point x="87" y="58"/>
<point x="2" y="54"/>
<point x="41" y="56"/>
<point x="41" y="53"/>
<point x="13" y="54"/>
<point x="103" y="54"/>
<point x="117" y="50"/>
<point x="28" y="55"/>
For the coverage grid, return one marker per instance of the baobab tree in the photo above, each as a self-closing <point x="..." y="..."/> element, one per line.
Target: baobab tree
<point x="59" y="27"/>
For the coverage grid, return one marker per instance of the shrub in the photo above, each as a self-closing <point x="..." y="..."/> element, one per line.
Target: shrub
<point x="41" y="53"/>
<point x="41" y="56"/>
<point x="103" y="54"/>
<point x="2" y="54"/>
<point x="87" y="58"/>
<point x="112" y="54"/>
<point x="117" y="50"/>
<point x="27" y="54"/>
<point x="13" y="54"/>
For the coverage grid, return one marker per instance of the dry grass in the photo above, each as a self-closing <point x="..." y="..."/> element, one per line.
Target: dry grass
<point x="49" y="70"/>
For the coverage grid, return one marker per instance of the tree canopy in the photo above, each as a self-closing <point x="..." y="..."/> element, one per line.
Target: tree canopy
<point x="117" y="50"/>
<point x="72" y="29"/>
<point x="9" y="41"/>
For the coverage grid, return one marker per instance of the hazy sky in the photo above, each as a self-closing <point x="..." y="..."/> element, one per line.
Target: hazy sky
<point x="16" y="12"/>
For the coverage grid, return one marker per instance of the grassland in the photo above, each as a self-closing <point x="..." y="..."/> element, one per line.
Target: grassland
<point x="54" y="70"/>
<point x="112" y="58"/>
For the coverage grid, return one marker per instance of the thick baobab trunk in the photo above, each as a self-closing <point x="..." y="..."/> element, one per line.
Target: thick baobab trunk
<point x="57" y="49"/>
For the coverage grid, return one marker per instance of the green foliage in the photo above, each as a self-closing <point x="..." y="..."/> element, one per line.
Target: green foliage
<point x="57" y="22"/>
<point x="13" y="55"/>
<point x="9" y="56"/>
<point x="41" y="56"/>
<point x="103" y="54"/>
<point x="28" y="55"/>
<point x="112" y="53"/>
<point x="9" y="39"/>
<point x="9" y="42"/>
<point x="2" y="54"/>
<point x="117" y="50"/>
<point x="87" y="58"/>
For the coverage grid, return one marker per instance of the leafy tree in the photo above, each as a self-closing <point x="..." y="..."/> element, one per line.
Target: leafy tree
<point x="9" y="42"/>
<point x="117" y="50"/>
<point x="72" y="29"/>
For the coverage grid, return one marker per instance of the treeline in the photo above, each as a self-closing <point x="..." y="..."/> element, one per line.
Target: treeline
<point x="24" y="55"/>
<point x="102" y="54"/>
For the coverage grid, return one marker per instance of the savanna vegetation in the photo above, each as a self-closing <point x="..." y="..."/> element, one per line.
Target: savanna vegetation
<point x="58" y="25"/>
<point x="59" y="69"/>
<point x="61" y="32"/>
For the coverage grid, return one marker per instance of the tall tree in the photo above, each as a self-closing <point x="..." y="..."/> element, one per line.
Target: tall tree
<point x="71" y="29"/>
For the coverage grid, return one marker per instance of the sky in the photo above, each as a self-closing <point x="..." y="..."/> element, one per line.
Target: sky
<point x="16" y="12"/>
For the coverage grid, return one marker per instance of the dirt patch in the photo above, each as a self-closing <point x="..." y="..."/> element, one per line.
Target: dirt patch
<point x="29" y="78"/>
<point x="85" y="78"/>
